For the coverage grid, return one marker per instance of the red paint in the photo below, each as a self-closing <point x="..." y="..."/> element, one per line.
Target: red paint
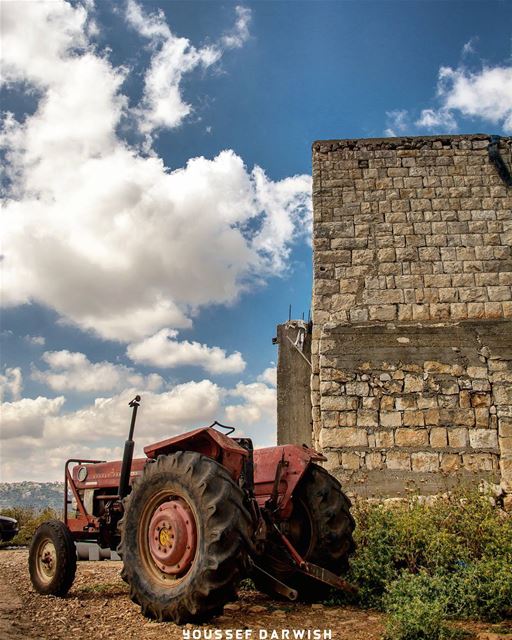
<point x="207" y="441"/>
<point x="265" y="466"/>
<point x="172" y="536"/>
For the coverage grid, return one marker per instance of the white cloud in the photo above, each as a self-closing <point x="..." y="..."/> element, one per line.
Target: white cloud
<point x="43" y="431"/>
<point x="164" y="351"/>
<point x="258" y="404"/>
<point x="27" y="417"/>
<point x="239" y="35"/>
<point x="162" y="104"/>
<point x="441" y="119"/>
<point x="485" y="94"/>
<point x="37" y="341"/>
<point x="269" y="376"/>
<point x="111" y="239"/>
<point x="72" y="371"/>
<point x="11" y="383"/>
<point x="397" y="122"/>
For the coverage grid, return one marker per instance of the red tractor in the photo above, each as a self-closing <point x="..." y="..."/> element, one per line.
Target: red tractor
<point x="200" y="512"/>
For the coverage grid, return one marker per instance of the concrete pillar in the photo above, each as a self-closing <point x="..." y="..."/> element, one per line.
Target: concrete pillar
<point x="294" y="423"/>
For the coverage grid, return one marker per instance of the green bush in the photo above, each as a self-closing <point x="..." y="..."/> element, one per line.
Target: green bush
<point x="425" y="563"/>
<point x="28" y="521"/>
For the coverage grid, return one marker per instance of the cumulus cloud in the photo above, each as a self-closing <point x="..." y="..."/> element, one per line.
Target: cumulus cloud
<point x="164" y="351"/>
<point x="42" y="429"/>
<point x="484" y="93"/>
<point x="110" y="238"/>
<point x="72" y="371"/>
<point x="11" y="383"/>
<point x="269" y="376"/>
<point x="27" y="417"/>
<point x="257" y="403"/>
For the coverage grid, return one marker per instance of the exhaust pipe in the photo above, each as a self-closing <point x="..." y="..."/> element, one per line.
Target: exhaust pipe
<point x="124" y="480"/>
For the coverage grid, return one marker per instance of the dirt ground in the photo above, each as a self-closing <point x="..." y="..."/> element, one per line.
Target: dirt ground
<point x="98" y="607"/>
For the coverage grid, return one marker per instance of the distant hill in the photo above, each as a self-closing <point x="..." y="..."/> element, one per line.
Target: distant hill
<point x="37" y="495"/>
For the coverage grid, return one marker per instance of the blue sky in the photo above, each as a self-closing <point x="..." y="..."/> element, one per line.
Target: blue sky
<point x="130" y="263"/>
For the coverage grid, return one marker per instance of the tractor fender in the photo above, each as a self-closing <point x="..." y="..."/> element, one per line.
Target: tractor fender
<point x="295" y="461"/>
<point x="207" y="441"/>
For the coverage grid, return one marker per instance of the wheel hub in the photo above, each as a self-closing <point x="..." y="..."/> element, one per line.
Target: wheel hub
<point x="47" y="560"/>
<point x="172" y="536"/>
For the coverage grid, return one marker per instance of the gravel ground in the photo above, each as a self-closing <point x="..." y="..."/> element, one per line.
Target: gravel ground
<point x="98" y="607"/>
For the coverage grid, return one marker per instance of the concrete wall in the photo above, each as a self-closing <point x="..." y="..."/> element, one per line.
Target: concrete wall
<point x="412" y="309"/>
<point x="294" y="422"/>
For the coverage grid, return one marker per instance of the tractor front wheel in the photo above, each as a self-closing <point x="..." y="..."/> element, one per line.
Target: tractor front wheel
<point x="183" y="538"/>
<point x="52" y="559"/>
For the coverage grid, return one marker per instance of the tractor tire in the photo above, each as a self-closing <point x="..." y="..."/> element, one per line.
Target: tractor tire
<point x="320" y="528"/>
<point x="184" y="536"/>
<point x="52" y="559"/>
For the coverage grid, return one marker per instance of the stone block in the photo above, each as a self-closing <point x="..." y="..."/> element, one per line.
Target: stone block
<point x="458" y="438"/>
<point x="347" y="419"/>
<point x="413" y="384"/>
<point x="398" y="460"/>
<point x="483" y="438"/>
<point x="350" y="460"/>
<point x="390" y="419"/>
<point x="411" y="437"/>
<point x="425" y="461"/>
<point x="413" y="419"/>
<point x="343" y="437"/>
<point x="384" y="439"/>
<point x="450" y="462"/>
<point x="477" y="461"/>
<point x="373" y="460"/>
<point x="438" y="438"/>
<point x="367" y="418"/>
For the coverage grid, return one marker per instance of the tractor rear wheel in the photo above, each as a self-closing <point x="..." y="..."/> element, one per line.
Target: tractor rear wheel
<point x="320" y="528"/>
<point x="52" y="559"/>
<point x="183" y="538"/>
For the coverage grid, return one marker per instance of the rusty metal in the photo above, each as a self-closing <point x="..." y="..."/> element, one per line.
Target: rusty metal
<point x="279" y="587"/>
<point x="172" y="536"/>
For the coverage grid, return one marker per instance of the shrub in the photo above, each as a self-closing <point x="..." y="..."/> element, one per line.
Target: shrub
<point x="28" y="521"/>
<point x="425" y="562"/>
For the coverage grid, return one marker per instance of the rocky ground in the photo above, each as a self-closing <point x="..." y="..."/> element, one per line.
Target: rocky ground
<point x="98" y="607"/>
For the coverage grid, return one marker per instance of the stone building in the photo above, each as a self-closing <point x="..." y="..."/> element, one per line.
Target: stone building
<point x="411" y="347"/>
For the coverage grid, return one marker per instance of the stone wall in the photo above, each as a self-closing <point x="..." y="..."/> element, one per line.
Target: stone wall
<point x="412" y="312"/>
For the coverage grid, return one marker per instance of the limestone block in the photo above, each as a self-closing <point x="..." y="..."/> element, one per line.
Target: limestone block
<point x="350" y="460"/>
<point x="399" y="460"/>
<point x="384" y="439"/>
<point x="347" y="419"/>
<point x="413" y="384"/>
<point x="390" y="419"/>
<point x="333" y="460"/>
<point x="367" y="418"/>
<point x="450" y="462"/>
<point x="458" y="438"/>
<point x="425" y="461"/>
<point x="483" y="438"/>
<point x="411" y="437"/>
<point x="406" y="402"/>
<point x="480" y="400"/>
<point x="373" y="460"/>
<point x="438" y="438"/>
<point x="477" y="461"/>
<point x="357" y="388"/>
<point x="482" y="417"/>
<point x="413" y="419"/>
<point x="343" y="437"/>
<point x="502" y="393"/>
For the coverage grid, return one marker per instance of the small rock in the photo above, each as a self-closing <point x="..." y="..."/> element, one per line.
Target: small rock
<point x="231" y="606"/>
<point x="257" y="608"/>
<point x="317" y="605"/>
